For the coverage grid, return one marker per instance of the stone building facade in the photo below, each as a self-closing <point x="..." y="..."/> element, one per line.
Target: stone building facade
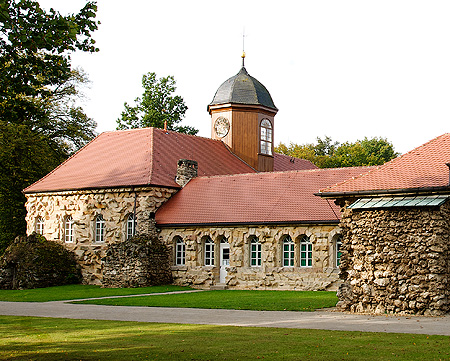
<point x="256" y="258"/>
<point x="73" y="218"/>
<point x="396" y="260"/>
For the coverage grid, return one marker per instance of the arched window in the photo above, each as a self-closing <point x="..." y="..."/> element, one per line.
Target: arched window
<point x="99" y="229"/>
<point x="131" y="225"/>
<point x="39" y="226"/>
<point x="68" y="229"/>
<point x="266" y="136"/>
<point x="338" y="250"/>
<point x="288" y="252"/>
<point x="255" y="252"/>
<point x="180" y="251"/>
<point x="305" y="252"/>
<point x="209" y="252"/>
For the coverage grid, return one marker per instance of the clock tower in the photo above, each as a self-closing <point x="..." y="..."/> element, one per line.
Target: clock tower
<point x="242" y="116"/>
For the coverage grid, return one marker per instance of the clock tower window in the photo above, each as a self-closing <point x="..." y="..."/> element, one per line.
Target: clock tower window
<point x="266" y="135"/>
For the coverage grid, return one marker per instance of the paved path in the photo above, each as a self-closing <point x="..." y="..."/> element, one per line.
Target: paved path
<point x="326" y="320"/>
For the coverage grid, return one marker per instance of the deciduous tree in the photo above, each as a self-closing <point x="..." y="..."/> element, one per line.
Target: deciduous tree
<point x="40" y="124"/>
<point x="157" y="105"/>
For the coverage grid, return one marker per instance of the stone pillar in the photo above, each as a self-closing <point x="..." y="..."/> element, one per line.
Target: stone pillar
<point x="186" y="170"/>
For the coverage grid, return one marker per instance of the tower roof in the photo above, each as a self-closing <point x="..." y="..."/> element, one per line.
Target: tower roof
<point x="243" y="89"/>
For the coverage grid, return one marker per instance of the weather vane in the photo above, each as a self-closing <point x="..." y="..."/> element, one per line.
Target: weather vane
<point x="243" y="47"/>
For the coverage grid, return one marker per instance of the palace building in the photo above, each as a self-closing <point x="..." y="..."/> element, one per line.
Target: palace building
<point x="235" y="214"/>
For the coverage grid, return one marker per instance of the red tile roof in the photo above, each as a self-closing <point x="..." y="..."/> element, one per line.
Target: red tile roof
<point x="135" y="157"/>
<point x="283" y="163"/>
<point x="422" y="167"/>
<point x="262" y="198"/>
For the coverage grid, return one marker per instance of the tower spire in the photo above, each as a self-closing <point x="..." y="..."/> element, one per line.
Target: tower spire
<point x="243" y="48"/>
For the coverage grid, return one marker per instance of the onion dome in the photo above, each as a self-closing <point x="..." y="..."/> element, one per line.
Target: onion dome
<point x="243" y="89"/>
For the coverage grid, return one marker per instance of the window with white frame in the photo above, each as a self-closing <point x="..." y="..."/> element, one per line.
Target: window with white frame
<point x="68" y="229"/>
<point x="99" y="229"/>
<point x="255" y="252"/>
<point x="338" y="250"/>
<point x="131" y="225"/>
<point x="209" y="252"/>
<point x="288" y="252"/>
<point x="266" y="136"/>
<point x="39" y="226"/>
<point x="180" y="252"/>
<point x="305" y="252"/>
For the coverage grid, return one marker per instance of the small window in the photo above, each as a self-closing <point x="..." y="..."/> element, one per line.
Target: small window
<point x="209" y="252"/>
<point x="180" y="252"/>
<point x="266" y="137"/>
<point x="338" y="251"/>
<point x="255" y="252"/>
<point x="39" y="226"/>
<point x="68" y="229"/>
<point x="99" y="229"/>
<point x="305" y="252"/>
<point x="288" y="252"/>
<point x="131" y="226"/>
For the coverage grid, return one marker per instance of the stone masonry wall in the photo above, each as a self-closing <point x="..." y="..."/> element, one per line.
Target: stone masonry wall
<point x="114" y="205"/>
<point x="395" y="260"/>
<point x="323" y="275"/>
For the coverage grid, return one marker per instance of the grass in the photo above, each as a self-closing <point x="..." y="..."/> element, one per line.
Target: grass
<point x="233" y="299"/>
<point x="72" y="292"/>
<point x="32" y="338"/>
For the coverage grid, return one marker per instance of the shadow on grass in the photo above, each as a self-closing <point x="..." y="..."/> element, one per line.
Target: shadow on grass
<point x="62" y="339"/>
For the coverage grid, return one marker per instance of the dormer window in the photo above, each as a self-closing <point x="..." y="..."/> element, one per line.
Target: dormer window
<point x="266" y="136"/>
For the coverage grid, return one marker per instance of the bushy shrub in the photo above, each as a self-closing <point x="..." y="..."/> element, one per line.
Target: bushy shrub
<point x="33" y="262"/>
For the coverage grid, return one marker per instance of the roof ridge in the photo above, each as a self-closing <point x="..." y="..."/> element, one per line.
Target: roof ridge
<point x="63" y="163"/>
<point x="387" y="164"/>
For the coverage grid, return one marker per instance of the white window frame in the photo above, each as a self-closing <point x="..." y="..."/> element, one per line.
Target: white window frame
<point x="255" y="252"/>
<point x="209" y="252"/>
<point x="305" y="252"/>
<point x="68" y="230"/>
<point x="338" y="253"/>
<point x="99" y="229"/>
<point x="266" y="136"/>
<point x="39" y="226"/>
<point x="180" y="252"/>
<point x="288" y="251"/>
<point x="131" y="226"/>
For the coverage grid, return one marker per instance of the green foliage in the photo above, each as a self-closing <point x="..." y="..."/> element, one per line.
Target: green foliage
<point x="32" y="262"/>
<point x="40" y="125"/>
<point x="329" y="154"/>
<point x="157" y="105"/>
<point x="34" y="338"/>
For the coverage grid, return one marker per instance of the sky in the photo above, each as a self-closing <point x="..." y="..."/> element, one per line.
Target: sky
<point x="342" y="69"/>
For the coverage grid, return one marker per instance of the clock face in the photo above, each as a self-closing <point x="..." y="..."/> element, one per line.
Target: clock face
<point x="221" y="127"/>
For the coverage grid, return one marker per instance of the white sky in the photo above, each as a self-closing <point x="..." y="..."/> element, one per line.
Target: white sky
<point x="345" y="69"/>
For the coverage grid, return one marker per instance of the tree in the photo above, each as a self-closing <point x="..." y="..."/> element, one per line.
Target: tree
<point x="157" y="106"/>
<point x="40" y="124"/>
<point x="329" y="154"/>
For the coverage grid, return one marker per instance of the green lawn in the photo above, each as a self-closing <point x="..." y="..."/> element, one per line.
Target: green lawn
<point x="73" y="292"/>
<point x="233" y="299"/>
<point x="32" y="338"/>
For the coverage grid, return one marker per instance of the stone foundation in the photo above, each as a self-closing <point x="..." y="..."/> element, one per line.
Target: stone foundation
<point x="271" y="275"/>
<point x="115" y="205"/>
<point x="396" y="260"/>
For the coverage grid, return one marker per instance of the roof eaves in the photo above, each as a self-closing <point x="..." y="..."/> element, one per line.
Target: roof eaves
<point x="379" y="192"/>
<point x="229" y="224"/>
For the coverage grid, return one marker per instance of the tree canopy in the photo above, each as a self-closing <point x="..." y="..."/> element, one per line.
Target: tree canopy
<point x="40" y="123"/>
<point x="329" y="154"/>
<point x="157" y="105"/>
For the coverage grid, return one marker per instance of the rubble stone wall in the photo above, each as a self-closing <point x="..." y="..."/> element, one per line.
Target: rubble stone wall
<point x="323" y="275"/>
<point x="396" y="260"/>
<point x="115" y="205"/>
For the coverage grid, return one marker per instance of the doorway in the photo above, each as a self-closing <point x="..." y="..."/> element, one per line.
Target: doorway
<point x="224" y="260"/>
